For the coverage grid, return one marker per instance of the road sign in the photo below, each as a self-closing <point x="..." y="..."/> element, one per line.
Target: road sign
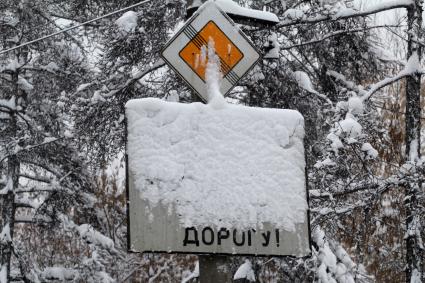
<point x="228" y="181"/>
<point x="186" y="51"/>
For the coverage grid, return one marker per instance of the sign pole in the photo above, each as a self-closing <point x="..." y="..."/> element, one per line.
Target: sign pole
<point x="214" y="268"/>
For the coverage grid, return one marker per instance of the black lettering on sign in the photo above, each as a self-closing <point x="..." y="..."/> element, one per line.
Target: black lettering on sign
<point x="249" y="236"/>
<point x="223" y="234"/>
<point x="277" y="237"/>
<point x="240" y="238"/>
<point x="187" y="241"/>
<point x="266" y="236"/>
<point x="235" y="240"/>
<point x="205" y="231"/>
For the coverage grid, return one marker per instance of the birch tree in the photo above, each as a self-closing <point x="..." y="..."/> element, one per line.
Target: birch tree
<point x="44" y="180"/>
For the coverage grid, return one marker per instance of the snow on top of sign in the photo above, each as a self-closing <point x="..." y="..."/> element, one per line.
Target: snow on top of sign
<point x="232" y="167"/>
<point x="231" y="7"/>
<point x="213" y="77"/>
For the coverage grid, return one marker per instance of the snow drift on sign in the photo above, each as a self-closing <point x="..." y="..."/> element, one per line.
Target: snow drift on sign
<point x="231" y="167"/>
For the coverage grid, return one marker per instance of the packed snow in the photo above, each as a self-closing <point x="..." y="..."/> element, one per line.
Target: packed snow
<point x="336" y="264"/>
<point x="350" y="127"/>
<point x="83" y="87"/>
<point x="231" y="167"/>
<point x="52" y="66"/>
<point x="24" y="84"/>
<point x="369" y="150"/>
<point x="245" y="272"/>
<point x="231" y="7"/>
<point x="5" y="234"/>
<point x="3" y="273"/>
<point x="127" y="22"/>
<point x="59" y="273"/>
<point x="293" y="14"/>
<point x="274" y="46"/>
<point x="355" y="105"/>
<point x="213" y="77"/>
<point x="305" y="83"/>
<point x="413" y="153"/>
<point x="192" y="275"/>
<point x="10" y="104"/>
<point x="88" y="233"/>
<point x="8" y="187"/>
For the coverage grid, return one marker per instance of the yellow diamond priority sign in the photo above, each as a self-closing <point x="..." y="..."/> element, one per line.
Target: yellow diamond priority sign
<point x="186" y="51"/>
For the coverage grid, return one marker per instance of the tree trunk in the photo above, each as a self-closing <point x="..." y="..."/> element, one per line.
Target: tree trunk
<point x="8" y="200"/>
<point x="414" y="254"/>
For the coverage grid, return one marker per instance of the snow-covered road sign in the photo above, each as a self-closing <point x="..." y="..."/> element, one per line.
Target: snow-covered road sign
<point x="186" y="51"/>
<point x="227" y="181"/>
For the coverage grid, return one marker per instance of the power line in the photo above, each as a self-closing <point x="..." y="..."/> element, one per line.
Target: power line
<point x="73" y="27"/>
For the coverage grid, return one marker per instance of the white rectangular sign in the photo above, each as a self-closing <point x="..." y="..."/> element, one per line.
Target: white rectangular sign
<point x="227" y="181"/>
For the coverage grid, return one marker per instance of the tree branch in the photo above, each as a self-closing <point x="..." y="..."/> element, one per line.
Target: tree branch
<point x="36" y="178"/>
<point x="23" y="205"/>
<point x="349" y="13"/>
<point x="332" y="34"/>
<point x="65" y="32"/>
<point x="137" y="77"/>
<point x="387" y="81"/>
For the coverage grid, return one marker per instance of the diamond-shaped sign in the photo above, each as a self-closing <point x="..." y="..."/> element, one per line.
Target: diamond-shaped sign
<point x="186" y="51"/>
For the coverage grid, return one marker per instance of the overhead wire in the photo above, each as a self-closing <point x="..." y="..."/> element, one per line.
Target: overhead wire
<point x="73" y="27"/>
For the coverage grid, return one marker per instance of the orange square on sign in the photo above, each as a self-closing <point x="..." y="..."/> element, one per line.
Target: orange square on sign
<point x="226" y="50"/>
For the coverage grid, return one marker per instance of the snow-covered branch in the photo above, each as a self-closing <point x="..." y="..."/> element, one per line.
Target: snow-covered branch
<point x="32" y="219"/>
<point x="53" y="22"/>
<point x="89" y="234"/>
<point x="36" y="178"/>
<point x="412" y="68"/>
<point x="47" y="140"/>
<point x="136" y="78"/>
<point x="316" y="195"/>
<point x="347" y="83"/>
<point x="24" y="205"/>
<point x="304" y="82"/>
<point x="332" y="34"/>
<point x="344" y="13"/>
